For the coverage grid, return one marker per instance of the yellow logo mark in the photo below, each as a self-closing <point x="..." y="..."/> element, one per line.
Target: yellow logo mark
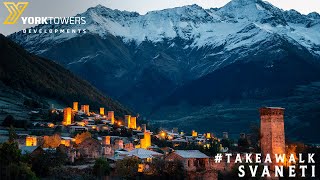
<point x="15" y="10"/>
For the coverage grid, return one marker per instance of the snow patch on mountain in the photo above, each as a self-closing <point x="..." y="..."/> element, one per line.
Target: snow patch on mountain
<point x="199" y="27"/>
<point x="260" y="7"/>
<point x="84" y="59"/>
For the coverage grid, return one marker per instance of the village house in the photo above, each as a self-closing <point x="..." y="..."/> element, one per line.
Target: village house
<point x="166" y="150"/>
<point x="144" y="154"/>
<point x="128" y="145"/>
<point x="31" y="150"/>
<point x="90" y="148"/>
<point x="179" y="142"/>
<point x="193" y="160"/>
<point x="110" y="144"/>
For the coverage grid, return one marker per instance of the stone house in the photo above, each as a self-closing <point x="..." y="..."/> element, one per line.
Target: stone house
<point x="192" y="160"/>
<point x="90" y="148"/>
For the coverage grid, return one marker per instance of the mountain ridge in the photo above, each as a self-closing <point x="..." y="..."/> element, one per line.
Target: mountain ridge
<point x="244" y="51"/>
<point x="37" y="77"/>
<point x="101" y="15"/>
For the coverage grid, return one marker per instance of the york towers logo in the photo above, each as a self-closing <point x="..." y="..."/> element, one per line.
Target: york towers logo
<point x="15" y="11"/>
<point x="54" y="24"/>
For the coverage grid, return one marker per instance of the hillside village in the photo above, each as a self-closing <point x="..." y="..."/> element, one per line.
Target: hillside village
<point x="83" y="137"/>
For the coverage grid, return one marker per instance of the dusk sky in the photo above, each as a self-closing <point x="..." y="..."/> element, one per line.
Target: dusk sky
<point x="72" y="7"/>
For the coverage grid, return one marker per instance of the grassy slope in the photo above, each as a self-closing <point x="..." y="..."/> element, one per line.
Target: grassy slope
<point x="35" y="76"/>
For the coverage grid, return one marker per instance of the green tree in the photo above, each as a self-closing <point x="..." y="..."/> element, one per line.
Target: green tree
<point x="127" y="168"/>
<point x="43" y="163"/>
<point x="8" y="121"/>
<point x="225" y="143"/>
<point x="158" y="167"/>
<point x="174" y="169"/>
<point x="255" y="137"/>
<point x="101" y="167"/>
<point x="243" y="144"/>
<point x="20" y="171"/>
<point x="167" y="169"/>
<point x="11" y="165"/>
<point x="12" y="134"/>
<point x="9" y="153"/>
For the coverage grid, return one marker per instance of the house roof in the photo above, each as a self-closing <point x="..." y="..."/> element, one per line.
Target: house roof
<point x="179" y="140"/>
<point x="78" y="127"/>
<point x="28" y="149"/>
<point x="190" y="154"/>
<point x="4" y="139"/>
<point x="116" y="158"/>
<point x="274" y="107"/>
<point x="67" y="138"/>
<point x="143" y="153"/>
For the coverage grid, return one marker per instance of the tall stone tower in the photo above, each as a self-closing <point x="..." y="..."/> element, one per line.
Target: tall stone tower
<point x="127" y="119"/>
<point x="102" y="111"/>
<point x="133" y="122"/>
<point x="145" y="142"/>
<point x="272" y="130"/>
<point x="67" y="116"/>
<point x="194" y="133"/>
<point x="86" y="109"/>
<point x="111" y="116"/>
<point x="75" y="106"/>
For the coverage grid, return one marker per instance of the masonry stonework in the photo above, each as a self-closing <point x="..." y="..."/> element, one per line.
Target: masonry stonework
<point x="272" y="130"/>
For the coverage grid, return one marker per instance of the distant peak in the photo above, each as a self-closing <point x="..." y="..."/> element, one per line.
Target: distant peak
<point x="195" y="6"/>
<point x="244" y="2"/>
<point x="237" y="4"/>
<point x="179" y="10"/>
<point x="314" y="15"/>
<point x="100" y="6"/>
<point x="103" y="9"/>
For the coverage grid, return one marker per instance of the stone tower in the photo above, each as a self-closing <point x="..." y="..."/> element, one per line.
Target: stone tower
<point x="67" y="116"/>
<point x="133" y="122"/>
<point x="111" y="116"/>
<point x="272" y="130"/>
<point x="86" y="109"/>
<point x="75" y="106"/>
<point x="127" y="119"/>
<point x="102" y="111"/>
<point x="145" y="142"/>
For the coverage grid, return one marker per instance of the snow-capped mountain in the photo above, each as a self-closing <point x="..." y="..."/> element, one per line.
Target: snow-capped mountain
<point x="202" y="26"/>
<point x="155" y="53"/>
<point x="195" y="64"/>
